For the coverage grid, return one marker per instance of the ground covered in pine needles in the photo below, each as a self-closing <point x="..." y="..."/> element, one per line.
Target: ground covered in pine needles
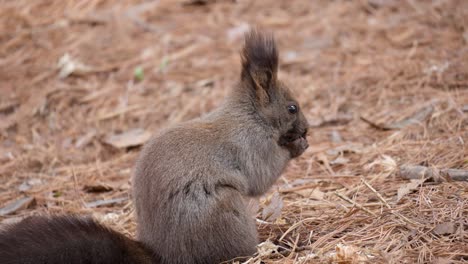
<point x="384" y="85"/>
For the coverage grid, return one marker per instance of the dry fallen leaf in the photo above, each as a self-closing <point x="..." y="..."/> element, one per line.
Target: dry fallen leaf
<point x="11" y="220"/>
<point x="437" y="175"/>
<point x="417" y="117"/>
<point x="445" y="228"/>
<point x="85" y="139"/>
<point x="442" y="261"/>
<point x="272" y="210"/>
<point x="347" y="148"/>
<point x="303" y="192"/>
<point x="108" y="219"/>
<point x="317" y="195"/>
<point x="465" y="107"/>
<point x="324" y="160"/>
<point x="335" y="137"/>
<point x="68" y="65"/>
<point x="349" y="254"/>
<point x="25" y="186"/>
<point x="307" y="258"/>
<point x="119" y="184"/>
<point x="14" y="206"/>
<point x="314" y="194"/>
<point x="387" y="163"/>
<point x="130" y="138"/>
<point x="339" y="161"/>
<point x="266" y="248"/>
<point x="407" y="188"/>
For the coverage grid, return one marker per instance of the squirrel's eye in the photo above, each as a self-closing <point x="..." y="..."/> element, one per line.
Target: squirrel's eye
<point x="292" y="109"/>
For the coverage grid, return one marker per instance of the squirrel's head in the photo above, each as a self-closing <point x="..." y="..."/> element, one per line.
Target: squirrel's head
<point x="272" y="99"/>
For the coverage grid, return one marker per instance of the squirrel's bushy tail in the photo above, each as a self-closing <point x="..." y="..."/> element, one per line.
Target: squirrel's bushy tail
<point x="67" y="239"/>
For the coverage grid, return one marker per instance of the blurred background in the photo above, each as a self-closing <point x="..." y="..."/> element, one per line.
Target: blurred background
<point x="83" y="84"/>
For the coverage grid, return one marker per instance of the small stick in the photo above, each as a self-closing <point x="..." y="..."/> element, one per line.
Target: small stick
<point x="376" y="193"/>
<point x="294" y="226"/>
<point x="355" y="204"/>
<point x="387" y="205"/>
<point x="298" y="188"/>
<point x="417" y="171"/>
<point x="295" y="243"/>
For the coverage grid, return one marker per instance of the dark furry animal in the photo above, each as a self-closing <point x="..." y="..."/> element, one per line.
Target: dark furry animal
<point x="190" y="182"/>
<point x="67" y="239"/>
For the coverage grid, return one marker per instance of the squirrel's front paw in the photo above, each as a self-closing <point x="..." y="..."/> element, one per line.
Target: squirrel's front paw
<point x="297" y="146"/>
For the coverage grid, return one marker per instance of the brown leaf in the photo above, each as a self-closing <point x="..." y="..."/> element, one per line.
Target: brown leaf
<point x="14" y="206"/>
<point x="68" y="66"/>
<point x="335" y="137"/>
<point x="465" y="107"/>
<point x="445" y="228"/>
<point x="266" y="248"/>
<point x="272" y="210"/>
<point x="317" y="194"/>
<point x="25" y="186"/>
<point x="130" y="138"/>
<point x="350" y="254"/>
<point x="346" y="148"/>
<point x="11" y="220"/>
<point x="409" y="187"/>
<point x="417" y="117"/>
<point x="314" y="194"/>
<point x="119" y="184"/>
<point x="443" y="261"/>
<point x="85" y="139"/>
<point x="339" y="161"/>
<point x="324" y="160"/>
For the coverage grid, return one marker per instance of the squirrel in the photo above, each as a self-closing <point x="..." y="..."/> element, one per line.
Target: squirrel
<point x="190" y="183"/>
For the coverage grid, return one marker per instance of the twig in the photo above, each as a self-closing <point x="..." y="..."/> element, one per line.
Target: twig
<point x="294" y="226"/>
<point x="117" y="112"/>
<point x="376" y="193"/>
<point x="417" y="117"/>
<point x="298" y="188"/>
<point x="387" y="205"/>
<point x="417" y="172"/>
<point x="355" y="204"/>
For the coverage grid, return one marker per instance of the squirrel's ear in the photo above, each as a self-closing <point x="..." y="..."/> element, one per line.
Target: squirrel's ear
<point x="259" y="64"/>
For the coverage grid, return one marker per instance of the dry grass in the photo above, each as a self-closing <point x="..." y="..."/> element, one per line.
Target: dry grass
<point x="400" y="65"/>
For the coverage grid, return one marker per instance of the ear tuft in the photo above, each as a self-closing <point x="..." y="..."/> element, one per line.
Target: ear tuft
<point x="260" y="61"/>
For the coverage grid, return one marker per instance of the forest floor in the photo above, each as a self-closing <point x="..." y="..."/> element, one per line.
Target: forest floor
<point x="384" y="85"/>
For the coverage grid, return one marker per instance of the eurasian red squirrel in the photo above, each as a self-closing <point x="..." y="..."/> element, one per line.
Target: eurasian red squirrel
<point x="190" y="181"/>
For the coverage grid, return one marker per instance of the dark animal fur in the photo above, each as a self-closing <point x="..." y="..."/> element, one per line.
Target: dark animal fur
<point x="190" y="183"/>
<point x="67" y="239"/>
